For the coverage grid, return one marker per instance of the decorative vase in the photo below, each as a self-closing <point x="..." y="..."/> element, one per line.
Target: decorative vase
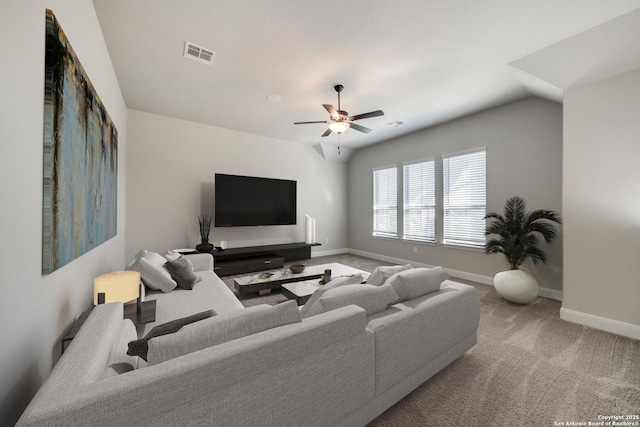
<point x="517" y="286"/>
<point x="205" y="246"/>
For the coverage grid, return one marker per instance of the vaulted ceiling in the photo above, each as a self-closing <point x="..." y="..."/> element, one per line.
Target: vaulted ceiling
<point x="422" y="62"/>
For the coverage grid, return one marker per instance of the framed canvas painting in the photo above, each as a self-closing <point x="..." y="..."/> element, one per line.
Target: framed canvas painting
<point x="80" y="158"/>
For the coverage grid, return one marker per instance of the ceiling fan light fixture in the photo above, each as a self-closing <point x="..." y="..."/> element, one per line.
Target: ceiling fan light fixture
<point x="339" y="127"/>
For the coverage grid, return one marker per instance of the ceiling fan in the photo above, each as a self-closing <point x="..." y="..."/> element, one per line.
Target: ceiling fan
<point x="341" y="120"/>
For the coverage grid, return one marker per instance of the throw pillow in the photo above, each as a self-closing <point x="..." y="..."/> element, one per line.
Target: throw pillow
<point x="417" y="282"/>
<point x="172" y="255"/>
<point x="141" y="347"/>
<point x="340" y="281"/>
<point x="150" y="265"/>
<point x="181" y="270"/>
<point x="221" y="329"/>
<point x="382" y="273"/>
<point x="372" y="298"/>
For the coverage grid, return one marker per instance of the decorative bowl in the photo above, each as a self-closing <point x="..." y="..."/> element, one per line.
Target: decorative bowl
<point x="296" y="268"/>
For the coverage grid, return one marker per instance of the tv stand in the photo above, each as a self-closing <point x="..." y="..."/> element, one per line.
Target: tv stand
<point x="232" y="261"/>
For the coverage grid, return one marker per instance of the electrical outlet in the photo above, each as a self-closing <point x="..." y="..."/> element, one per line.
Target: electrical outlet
<point x="415" y="249"/>
<point x="327" y="242"/>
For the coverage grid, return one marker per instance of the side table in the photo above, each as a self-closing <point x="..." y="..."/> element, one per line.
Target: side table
<point x="147" y="315"/>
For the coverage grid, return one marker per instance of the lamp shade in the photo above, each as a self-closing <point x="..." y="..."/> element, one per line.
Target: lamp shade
<point x="123" y="286"/>
<point x="339" y="127"/>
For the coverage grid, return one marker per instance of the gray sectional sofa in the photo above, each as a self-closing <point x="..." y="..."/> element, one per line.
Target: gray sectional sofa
<point x="260" y="366"/>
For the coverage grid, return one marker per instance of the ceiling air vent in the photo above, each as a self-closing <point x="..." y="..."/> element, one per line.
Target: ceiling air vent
<point x="199" y="53"/>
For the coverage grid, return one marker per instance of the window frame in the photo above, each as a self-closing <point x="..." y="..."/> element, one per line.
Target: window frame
<point x="472" y="238"/>
<point x="430" y="235"/>
<point x="393" y="210"/>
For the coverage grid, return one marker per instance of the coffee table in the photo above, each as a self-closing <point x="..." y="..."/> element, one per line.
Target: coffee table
<point x="259" y="283"/>
<point x="301" y="291"/>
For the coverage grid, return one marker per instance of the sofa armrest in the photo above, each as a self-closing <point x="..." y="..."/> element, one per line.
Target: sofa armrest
<point x="200" y="262"/>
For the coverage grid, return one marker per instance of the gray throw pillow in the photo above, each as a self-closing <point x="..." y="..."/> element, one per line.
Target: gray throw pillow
<point x="382" y="273"/>
<point x="417" y="282"/>
<point x="181" y="270"/>
<point x="372" y="298"/>
<point x="340" y="281"/>
<point x="141" y="347"/>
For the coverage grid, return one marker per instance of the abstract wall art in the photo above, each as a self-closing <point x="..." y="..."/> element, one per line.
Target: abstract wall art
<point x="80" y="158"/>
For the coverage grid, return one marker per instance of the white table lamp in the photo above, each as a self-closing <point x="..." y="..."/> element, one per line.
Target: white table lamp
<point x="122" y="286"/>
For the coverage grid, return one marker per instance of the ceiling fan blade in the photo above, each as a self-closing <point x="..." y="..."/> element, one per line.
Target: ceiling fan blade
<point x="327" y="132"/>
<point x="332" y="111"/>
<point x="367" y="115"/>
<point x="306" y="123"/>
<point x="360" y="128"/>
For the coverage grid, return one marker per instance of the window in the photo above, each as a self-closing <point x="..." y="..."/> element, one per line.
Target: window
<point x="385" y="202"/>
<point x="419" y="201"/>
<point x="465" y="198"/>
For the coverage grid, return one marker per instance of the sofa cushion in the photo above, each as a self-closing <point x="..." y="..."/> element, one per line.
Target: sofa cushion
<point x="181" y="271"/>
<point x="141" y="347"/>
<point x="119" y="361"/>
<point x="382" y="273"/>
<point x="340" y="281"/>
<point x="414" y="283"/>
<point x="150" y="265"/>
<point x="372" y="299"/>
<point x="222" y="328"/>
<point x="210" y="293"/>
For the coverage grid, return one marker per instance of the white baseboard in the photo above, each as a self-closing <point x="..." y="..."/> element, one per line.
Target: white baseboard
<point x="602" y="323"/>
<point x="486" y="280"/>
<point x="315" y="254"/>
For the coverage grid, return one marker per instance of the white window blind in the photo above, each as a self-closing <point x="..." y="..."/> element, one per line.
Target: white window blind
<point x="465" y="198"/>
<point x="419" y="201"/>
<point x="385" y="202"/>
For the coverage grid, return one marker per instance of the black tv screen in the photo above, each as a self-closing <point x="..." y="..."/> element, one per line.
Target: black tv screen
<point x="247" y="201"/>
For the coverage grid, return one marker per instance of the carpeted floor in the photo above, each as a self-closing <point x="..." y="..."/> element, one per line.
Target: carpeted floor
<point x="529" y="368"/>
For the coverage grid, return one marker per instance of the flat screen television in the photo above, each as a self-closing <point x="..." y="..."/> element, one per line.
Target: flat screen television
<point x="242" y="201"/>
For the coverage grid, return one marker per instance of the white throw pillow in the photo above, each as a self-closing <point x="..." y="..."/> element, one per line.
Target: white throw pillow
<point x="172" y="255"/>
<point x="150" y="265"/>
<point x="382" y="273"/>
<point x="414" y="283"/>
<point x="340" y="281"/>
<point x="372" y="298"/>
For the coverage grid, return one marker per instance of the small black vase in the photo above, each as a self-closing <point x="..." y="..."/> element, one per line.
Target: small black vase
<point x="205" y="246"/>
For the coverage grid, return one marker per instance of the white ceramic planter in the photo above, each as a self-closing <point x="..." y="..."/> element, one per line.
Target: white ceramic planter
<point x="517" y="286"/>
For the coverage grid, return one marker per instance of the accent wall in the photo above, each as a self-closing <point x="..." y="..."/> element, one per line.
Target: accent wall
<point x="524" y="158"/>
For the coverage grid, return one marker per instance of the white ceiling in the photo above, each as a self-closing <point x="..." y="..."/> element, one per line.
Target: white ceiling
<point x="420" y="61"/>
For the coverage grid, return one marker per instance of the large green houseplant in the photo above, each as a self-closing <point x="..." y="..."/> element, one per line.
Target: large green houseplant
<point x="515" y="234"/>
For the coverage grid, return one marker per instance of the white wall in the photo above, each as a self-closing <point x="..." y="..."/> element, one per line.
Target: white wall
<point x="172" y="164"/>
<point x="601" y="199"/>
<point x="36" y="310"/>
<point x="524" y="158"/>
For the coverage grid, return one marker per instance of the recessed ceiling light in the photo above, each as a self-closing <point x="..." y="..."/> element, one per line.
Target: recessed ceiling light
<point x="395" y="124"/>
<point x="274" y="98"/>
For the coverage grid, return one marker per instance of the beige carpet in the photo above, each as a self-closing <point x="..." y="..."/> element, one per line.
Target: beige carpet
<point x="529" y="368"/>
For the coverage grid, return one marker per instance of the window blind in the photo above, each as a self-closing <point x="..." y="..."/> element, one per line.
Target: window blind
<point x="419" y="201"/>
<point x="385" y="202"/>
<point x="465" y="198"/>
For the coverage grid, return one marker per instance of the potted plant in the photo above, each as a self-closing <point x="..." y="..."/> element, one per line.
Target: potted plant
<point x="515" y="235"/>
<point x="205" y="228"/>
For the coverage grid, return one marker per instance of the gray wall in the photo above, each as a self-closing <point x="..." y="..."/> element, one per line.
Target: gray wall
<point x="601" y="199"/>
<point x="172" y="165"/>
<point x="36" y="310"/>
<point x="524" y="158"/>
